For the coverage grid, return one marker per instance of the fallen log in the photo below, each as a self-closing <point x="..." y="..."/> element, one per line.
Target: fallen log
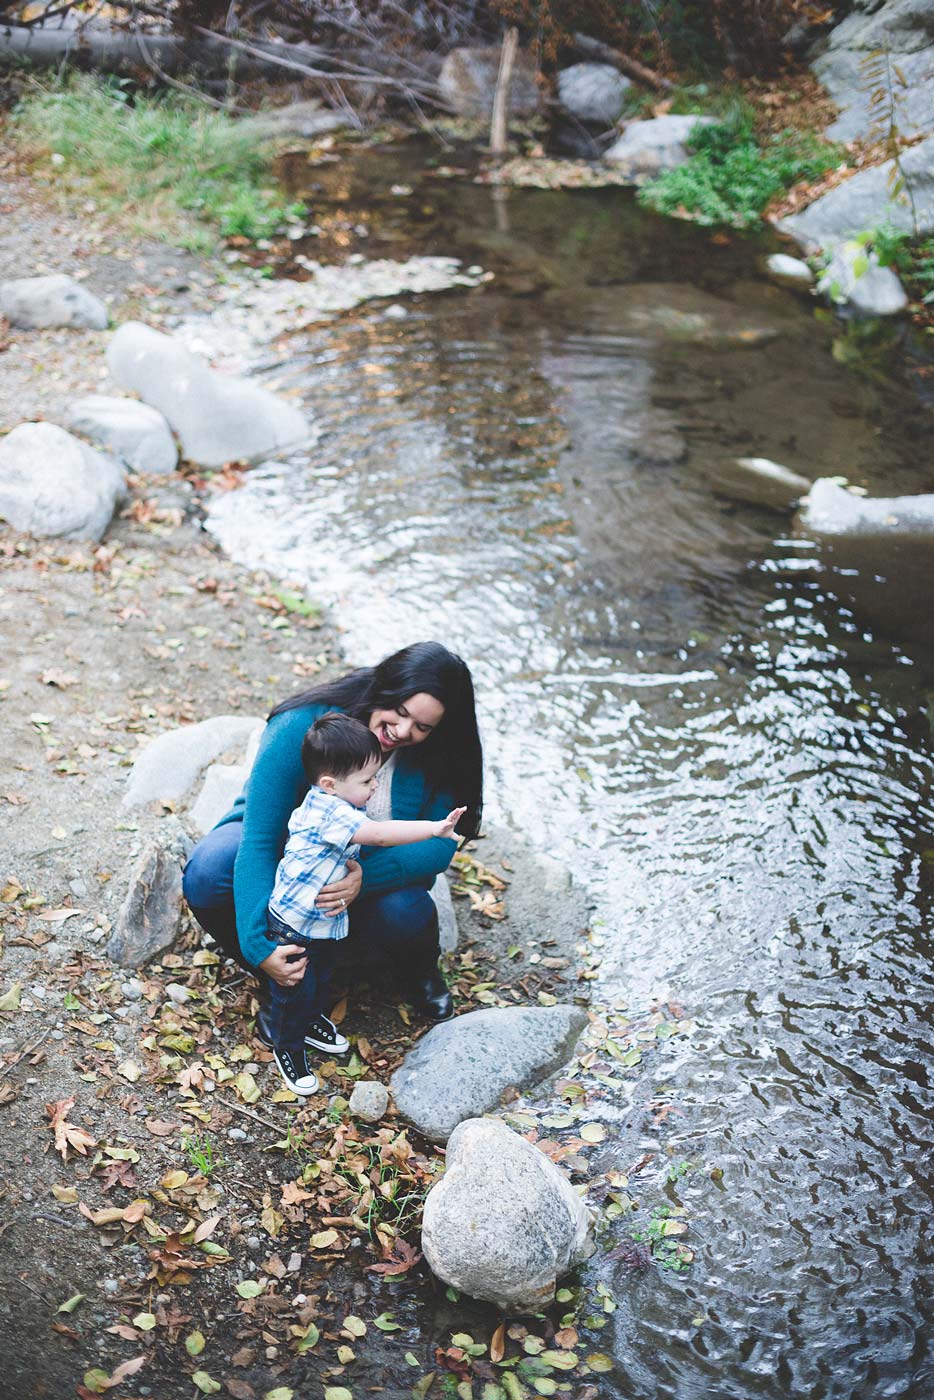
<point x="599" y="52"/>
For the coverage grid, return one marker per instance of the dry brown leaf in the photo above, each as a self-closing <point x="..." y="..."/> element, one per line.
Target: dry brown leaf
<point x="159" y="1127"/>
<point x="498" y="1343"/>
<point x="67" y="1134"/>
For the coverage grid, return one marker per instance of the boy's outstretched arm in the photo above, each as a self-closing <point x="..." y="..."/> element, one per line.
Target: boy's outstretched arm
<point x="405" y="833"/>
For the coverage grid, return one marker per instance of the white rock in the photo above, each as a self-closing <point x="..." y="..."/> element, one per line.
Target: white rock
<point x="593" y="92"/>
<point x="223" y="784"/>
<point x="503" y="1223"/>
<point x="57" y="300"/>
<point x="760" y="482"/>
<point x="832" y="511"/>
<point x="132" y="431"/>
<point x="53" y="484"/>
<point x="170" y="765"/>
<point x="219" y="418"/>
<point x="788" y="271"/>
<point x="854" y="278"/>
<point x="369" y="1100"/>
<point x="447" y="919"/>
<point x="177" y="992"/>
<point x="646" y="148"/>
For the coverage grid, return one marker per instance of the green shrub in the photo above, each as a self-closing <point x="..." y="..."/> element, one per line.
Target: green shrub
<point x="731" y="178"/>
<point x="159" y="159"/>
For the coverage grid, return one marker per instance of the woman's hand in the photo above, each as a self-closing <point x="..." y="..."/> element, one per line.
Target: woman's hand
<point x="334" y="899"/>
<point x="282" y="965"/>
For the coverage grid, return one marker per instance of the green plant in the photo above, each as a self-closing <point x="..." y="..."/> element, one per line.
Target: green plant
<point x="660" y="1234"/>
<point x="201" y="1153"/>
<point x="730" y="178"/>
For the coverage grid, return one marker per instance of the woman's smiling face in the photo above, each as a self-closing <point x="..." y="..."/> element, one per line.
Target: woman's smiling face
<point x="411" y="722"/>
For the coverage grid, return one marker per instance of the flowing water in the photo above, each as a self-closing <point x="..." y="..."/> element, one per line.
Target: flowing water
<point x="677" y="706"/>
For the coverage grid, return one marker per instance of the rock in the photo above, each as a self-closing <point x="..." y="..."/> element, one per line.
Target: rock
<point x="170" y="765"/>
<point x="135" y="433"/>
<point x="219" y="418"/>
<point x="504" y="1223"/>
<point x="36" y="302"/>
<point x="132" y="988"/>
<point x="760" y="482"/>
<point x="461" y="1068"/>
<point x="864" y="202"/>
<point x="789" y="272"/>
<point x="904" y="29"/>
<point x="223" y="784"/>
<point x="369" y="1100"/>
<point x="831" y="510"/>
<point x="646" y="148"/>
<point x="853" y="278"/>
<point x="149" y="920"/>
<point x="177" y="992"/>
<point x="447" y="919"/>
<point x="306" y="119"/>
<point x="468" y="80"/>
<point x="678" y="311"/>
<point x="52" y="484"/>
<point x="593" y="92"/>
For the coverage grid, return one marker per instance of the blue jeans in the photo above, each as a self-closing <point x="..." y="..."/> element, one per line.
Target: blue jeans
<point x="398" y="928"/>
<point x="288" y="1011"/>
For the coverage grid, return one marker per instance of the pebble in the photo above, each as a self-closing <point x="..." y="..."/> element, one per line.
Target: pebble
<point x="111" y="1286"/>
<point x="58" y="1035"/>
<point x="177" y="993"/>
<point x="253" y="1243"/>
<point x="396" y="312"/>
<point x="78" y="888"/>
<point x="294" y="1264"/>
<point x="132" y="988"/>
<point x="252" y="1068"/>
<point x="238" y="1135"/>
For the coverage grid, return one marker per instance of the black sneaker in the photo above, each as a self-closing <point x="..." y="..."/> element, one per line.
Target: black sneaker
<point x="293" y="1067"/>
<point x="322" y="1035"/>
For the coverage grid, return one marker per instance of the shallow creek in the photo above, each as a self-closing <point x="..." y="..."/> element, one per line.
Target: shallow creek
<point x="676" y="707"/>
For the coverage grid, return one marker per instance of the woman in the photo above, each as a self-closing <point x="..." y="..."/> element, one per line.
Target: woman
<point x="419" y="703"/>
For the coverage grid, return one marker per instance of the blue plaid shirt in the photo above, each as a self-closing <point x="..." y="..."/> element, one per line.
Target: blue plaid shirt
<point x="320" y="843"/>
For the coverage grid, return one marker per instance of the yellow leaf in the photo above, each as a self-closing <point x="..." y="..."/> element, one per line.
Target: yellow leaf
<point x="145" y="1321"/>
<point x="674" y="1227"/>
<point x="66" y="1194"/>
<point x="593" y="1132"/>
<point x="345" y="1355"/>
<point x="355" y="1326"/>
<point x="172" y="1180"/>
<point x="324" y="1239"/>
<point x="10" y="1000"/>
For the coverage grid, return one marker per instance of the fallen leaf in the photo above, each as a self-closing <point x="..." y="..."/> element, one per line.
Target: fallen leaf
<point x="355" y="1326"/>
<point x="145" y="1321"/>
<point x="205" y="1383"/>
<point x="194" y="1343"/>
<point x="498" y="1343"/>
<point x="67" y="1134"/>
<point x="70" y="1305"/>
<point x="10" y="999"/>
<point x="250" y="1288"/>
<point x="159" y="1127"/>
<point x="58" y="916"/>
<point x="324" y="1239"/>
<point x="593" y="1132"/>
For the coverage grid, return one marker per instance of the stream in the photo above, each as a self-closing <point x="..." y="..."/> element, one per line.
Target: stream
<point x="678" y="705"/>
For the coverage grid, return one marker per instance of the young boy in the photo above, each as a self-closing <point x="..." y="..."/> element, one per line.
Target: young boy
<point x="341" y="759"/>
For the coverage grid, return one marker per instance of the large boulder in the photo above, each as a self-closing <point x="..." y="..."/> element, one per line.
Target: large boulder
<point x="468" y="81"/>
<point x="647" y="148"/>
<point x="902" y="29"/>
<point x="171" y="764"/>
<point x="219" y="418"/>
<point x="866" y="202"/>
<point x="503" y="1223"/>
<point x="53" y="484"/>
<point x="135" y="433"/>
<point x="460" y="1069"/>
<point x="34" y="303"/>
<point x="854" y="279"/>
<point x="593" y="92"/>
<point x="150" y="917"/>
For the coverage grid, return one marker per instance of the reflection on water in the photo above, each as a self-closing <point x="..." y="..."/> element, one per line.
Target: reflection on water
<point x="677" y="708"/>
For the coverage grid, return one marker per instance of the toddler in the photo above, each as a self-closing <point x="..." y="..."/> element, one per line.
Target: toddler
<point x="341" y="759"/>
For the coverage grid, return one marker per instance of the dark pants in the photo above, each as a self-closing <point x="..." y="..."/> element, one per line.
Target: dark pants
<point x="289" y="1011"/>
<point x="398" y="929"/>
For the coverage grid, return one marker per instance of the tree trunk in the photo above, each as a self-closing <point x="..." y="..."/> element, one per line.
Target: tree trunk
<point x="507" y="60"/>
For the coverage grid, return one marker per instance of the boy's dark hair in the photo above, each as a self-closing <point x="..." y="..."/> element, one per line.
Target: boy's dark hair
<point x="338" y="745"/>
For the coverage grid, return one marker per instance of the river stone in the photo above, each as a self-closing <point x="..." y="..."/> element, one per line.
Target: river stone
<point x="170" y="765"/>
<point x="646" y="148"/>
<point x="504" y="1223"/>
<point x="789" y="272"/>
<point x="854" y="279"/>
<point x="467" y="82"/>
<point x="150" y="918"/>
<point x="461" y="1068"/>
<point x="678" y="311"/>
<point x="831" y="510"/>
<point x="865" y="202"/>
<point x="760" y="482"/>
<point x="135" y="433"/>
<point x="53" y="484"/>
<point x="33" y="303"/>
<point x="369" y="1100"/>
<point x="593" y="92"/>
<point x="904" y="29"/>
<point x="219" y="418"/>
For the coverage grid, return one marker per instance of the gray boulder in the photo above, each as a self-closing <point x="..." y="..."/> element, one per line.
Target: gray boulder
<point x="593" y="92"/>
<point x="646" y="148"/>
<point x="468" y="81"/>
<point x="760" y="482"/>
<point x="171" y="764"/>
<point x="789" y="272"/>
<point x="832" y="511"/>
<point x="503" y="1223"/>
<point x="150" y="918"/>
<point x="905" y="30"/>
<point x="219" y="418"/>
<point x="369" y="1100"/>
<point x="865" y="202"/>
<point x="34" y="303"/>
<point x="855" y="280"/>
<point x="461" y="1068"/>
<point x="135" y="433"/>
<point x="304" y="119"/>
<point x="223" y="784"/>
<point x="52" y="484"/>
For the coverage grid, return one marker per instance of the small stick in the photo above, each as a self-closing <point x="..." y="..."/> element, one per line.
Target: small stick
<point x="266" y="1122"/>
<point x="501" y="96"/>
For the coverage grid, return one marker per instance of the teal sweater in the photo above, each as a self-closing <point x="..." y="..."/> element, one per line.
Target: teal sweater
<point x="277" y="785"/>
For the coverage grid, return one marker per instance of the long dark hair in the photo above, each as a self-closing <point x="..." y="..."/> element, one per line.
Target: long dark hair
<point x="451" y="757"/>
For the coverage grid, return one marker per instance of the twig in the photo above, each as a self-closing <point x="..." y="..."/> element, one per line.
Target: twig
<point x="501" y="96"/>
<point x="26" y="1050"/>
<point x="228" y="1103"/>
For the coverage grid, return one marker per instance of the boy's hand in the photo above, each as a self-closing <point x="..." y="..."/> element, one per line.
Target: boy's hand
<point x="446" y="828"/>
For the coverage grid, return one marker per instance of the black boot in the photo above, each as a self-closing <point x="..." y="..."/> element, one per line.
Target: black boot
<point x="427" y="989"/>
